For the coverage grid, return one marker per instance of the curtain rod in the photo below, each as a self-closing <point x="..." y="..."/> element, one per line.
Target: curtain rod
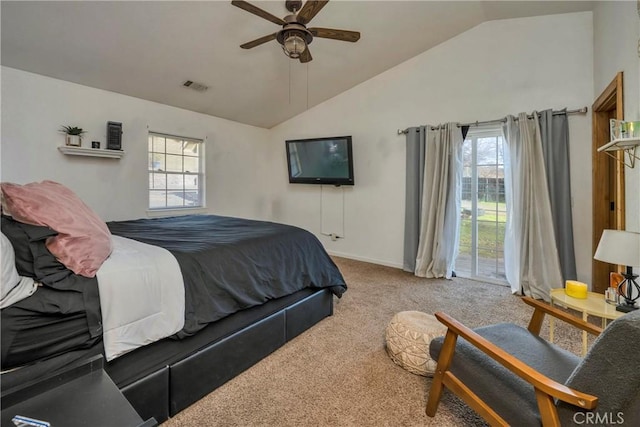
<point x="582" y="110"/>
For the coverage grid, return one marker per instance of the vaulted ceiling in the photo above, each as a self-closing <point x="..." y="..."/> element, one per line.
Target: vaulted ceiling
<point x="148" y="49"/>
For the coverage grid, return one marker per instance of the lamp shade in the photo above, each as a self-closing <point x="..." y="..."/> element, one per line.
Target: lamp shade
<point x="294" y="45"/>
<point x="619" y="247"/>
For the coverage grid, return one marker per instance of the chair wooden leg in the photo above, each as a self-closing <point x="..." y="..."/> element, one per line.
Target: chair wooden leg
<point x="446" y="355"/>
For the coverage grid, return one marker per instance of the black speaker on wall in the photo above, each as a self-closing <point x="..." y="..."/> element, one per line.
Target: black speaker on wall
<point x="114" y="136"/>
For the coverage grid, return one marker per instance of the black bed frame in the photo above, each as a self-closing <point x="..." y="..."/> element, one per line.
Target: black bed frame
<point x="216" y="354"/>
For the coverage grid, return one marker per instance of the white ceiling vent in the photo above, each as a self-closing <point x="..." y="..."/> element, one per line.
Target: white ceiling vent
<point x="199" y="87"/>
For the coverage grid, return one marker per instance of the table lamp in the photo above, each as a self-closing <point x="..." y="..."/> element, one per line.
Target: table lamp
<point x="622" y="248"/>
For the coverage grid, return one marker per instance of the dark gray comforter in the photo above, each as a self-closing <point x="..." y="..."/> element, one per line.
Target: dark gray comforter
<point x="230" y="264"/>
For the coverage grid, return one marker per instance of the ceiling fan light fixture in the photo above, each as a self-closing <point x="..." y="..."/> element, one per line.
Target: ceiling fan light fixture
<point x="294" y="36"/>
<point x="294" y="44"/>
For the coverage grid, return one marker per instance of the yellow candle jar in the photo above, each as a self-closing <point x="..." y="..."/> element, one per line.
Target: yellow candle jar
<point x="576" y="289"/>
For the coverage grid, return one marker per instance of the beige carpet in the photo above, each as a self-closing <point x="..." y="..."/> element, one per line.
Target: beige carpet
<point x="338" y="372"/>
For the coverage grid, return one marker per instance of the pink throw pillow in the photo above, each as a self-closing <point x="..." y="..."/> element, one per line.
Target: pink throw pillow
<point x="83" y="241"/>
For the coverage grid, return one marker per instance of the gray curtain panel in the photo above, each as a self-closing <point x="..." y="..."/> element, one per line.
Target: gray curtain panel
<point x="531" y="261"/>
<point x="414" y="182"/>
<point x="554" y="132"/>
<point x="416" y="137"/>
<point x="441" y="199"/>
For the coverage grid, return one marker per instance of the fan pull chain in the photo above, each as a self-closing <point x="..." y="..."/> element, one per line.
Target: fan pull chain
<point x="289" y="82"/>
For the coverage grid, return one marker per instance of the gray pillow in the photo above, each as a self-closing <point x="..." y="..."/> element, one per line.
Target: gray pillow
<point x="13" y="287"/>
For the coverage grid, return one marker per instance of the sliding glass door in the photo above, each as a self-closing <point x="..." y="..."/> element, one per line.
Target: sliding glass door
<point x="483" y="213"/>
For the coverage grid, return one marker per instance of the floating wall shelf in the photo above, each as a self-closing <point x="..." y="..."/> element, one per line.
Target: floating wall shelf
<point x="628" y="145"/>
<point x="90" y="152"/>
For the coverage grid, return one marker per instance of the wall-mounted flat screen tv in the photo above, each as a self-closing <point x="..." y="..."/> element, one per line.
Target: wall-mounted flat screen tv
<point x="320" y="161"/>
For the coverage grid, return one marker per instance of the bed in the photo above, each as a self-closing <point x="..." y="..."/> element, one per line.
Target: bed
<point x="249" y="287"/>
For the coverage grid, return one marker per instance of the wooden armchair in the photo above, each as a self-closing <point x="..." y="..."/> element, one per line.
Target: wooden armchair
<point x="511" y="376"/>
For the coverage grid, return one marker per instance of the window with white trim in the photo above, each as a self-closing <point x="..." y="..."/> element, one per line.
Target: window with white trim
<point x="176" y="172"/>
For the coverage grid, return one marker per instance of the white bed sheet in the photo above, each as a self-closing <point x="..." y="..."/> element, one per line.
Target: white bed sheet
<point x="141" y="296"/>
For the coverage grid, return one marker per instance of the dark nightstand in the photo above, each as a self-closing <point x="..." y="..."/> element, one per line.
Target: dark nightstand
<point x="82" y="395"/>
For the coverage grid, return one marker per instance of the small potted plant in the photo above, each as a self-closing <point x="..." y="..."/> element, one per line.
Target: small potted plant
<point x="73" y="135"/>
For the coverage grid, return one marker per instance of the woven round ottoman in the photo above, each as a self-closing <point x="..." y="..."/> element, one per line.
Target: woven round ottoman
<point x="408" y="336"/>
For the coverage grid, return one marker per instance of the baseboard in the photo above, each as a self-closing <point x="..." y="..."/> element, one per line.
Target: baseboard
<point x="365" y="259"/>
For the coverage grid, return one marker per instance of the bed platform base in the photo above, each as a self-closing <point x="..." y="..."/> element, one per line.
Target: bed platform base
<point x="170" y="389"/>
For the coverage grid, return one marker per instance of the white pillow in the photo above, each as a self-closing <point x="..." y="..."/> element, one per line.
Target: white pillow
<point x="14" y="287"/>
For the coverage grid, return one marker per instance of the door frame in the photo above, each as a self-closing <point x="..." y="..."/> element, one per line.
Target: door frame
<point x="608" y="186"/>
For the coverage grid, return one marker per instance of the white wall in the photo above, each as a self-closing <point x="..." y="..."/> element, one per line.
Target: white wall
<point x="498" y="68"/>
<point x="34" y="108"/>
<point x="616" y="28"/>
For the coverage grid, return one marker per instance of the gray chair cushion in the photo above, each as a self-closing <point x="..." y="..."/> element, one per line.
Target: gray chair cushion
<point x="512" y="398"/>
<point x="610" y="371"/>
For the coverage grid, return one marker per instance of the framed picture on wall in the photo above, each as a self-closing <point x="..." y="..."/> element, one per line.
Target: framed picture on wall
<point x="114" y="136"/>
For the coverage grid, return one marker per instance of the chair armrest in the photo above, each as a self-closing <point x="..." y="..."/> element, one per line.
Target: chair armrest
<point x="542" y="308"/>
<point x="538" y="380"/>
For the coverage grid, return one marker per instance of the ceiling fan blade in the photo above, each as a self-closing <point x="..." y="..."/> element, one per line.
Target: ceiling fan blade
<point x="257" y="11"/>
<point x="310" y="9"/>
<point x="332" y="33"/>
<point x="258" y="42"/>
<point x="305" y="56"/>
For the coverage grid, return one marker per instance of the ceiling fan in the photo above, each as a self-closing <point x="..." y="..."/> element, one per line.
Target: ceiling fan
<point x="294" y="36"/>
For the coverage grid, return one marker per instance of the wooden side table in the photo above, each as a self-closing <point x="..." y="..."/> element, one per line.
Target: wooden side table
<point x="594" y="305"/>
